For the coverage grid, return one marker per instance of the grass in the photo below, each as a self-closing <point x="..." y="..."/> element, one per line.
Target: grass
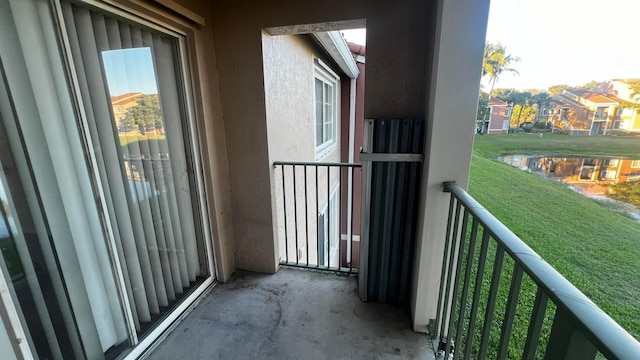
<point x="598" y="250"/>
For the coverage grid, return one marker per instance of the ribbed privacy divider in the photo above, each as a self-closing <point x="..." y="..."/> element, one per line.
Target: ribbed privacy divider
<point x="145" y="171"/>
<point x="393" y="209"/>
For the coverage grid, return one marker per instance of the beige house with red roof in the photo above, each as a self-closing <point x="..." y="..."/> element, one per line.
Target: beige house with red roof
<point x="591" y="112"/>
<point x="122" y="103"/>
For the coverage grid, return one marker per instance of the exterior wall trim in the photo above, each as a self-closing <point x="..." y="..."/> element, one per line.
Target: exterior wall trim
<point x="337" y="48"/>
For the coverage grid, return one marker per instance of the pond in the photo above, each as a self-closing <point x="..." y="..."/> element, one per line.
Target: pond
<point x="614" y="181"/>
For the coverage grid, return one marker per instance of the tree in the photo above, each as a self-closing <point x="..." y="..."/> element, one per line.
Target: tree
<point x="496" y="62"/>
<point x="588" y="86"/>
<point x="634" y="86"/>
<point x="483" y="107"/>
<point x="145" y="114"/>
<point x="521" y="98"/>
<point x="555" y="89"/>
<point x="540" y="99"/>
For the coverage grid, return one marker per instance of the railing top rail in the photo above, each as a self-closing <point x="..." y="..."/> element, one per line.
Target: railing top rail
<point x="608" y="336"/>
<point x="310" y="163"/>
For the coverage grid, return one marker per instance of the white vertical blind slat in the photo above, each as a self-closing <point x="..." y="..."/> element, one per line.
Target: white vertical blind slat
<point x="169" y="96"/>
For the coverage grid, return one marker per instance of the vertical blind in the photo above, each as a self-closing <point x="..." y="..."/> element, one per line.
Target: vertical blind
<point x="145" y="172"/>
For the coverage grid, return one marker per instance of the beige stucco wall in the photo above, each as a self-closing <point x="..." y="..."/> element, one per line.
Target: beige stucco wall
<point x="454" y="80"/>
<point x="396" y="49"/>
<point x="401" y="82"/>
<point x="288" y="62"/>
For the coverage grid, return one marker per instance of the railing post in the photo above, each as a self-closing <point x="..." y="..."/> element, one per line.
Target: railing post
<point x="566" y="341"/>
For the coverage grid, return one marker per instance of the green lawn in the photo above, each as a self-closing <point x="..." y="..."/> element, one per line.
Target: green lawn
<point x="595" y="248"/>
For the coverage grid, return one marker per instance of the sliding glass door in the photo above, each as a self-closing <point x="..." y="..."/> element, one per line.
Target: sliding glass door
<point x="102" y="229"/>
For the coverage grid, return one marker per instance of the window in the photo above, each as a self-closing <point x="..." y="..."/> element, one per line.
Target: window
<point x="505" y="125"/>
<point x="509" y="110"/>
<point x="552" y="112"/>
<point x="326" y="99"/>
<point x="328" y="231"/>
<point x="544" y="112"/>
<point x="635" y="164"/>
<point x="118" y="241"/>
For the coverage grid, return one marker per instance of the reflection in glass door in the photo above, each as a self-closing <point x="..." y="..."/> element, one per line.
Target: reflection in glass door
<point x="102" y="233"/>
<point x="131" y="84"/>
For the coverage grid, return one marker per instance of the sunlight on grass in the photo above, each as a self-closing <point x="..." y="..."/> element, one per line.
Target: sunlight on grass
<point x="596" y="249"/>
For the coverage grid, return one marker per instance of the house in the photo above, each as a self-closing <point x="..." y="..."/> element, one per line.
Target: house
<point x="498" y="117"/>
<point x="113" y="241"/>
<point x="121" y="104"/>
<point x="590" y="112"/>
<point x="625" y="118"/>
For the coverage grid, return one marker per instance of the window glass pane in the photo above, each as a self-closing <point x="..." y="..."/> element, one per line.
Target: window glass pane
<point x="319" y="112"/>
<point x="143" y="156"/>
<point x="23" y="260"/>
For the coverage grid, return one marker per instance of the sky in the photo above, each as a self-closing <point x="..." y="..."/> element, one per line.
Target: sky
<point x="562" y="41"/>
<point x="130" y="70"/>
<point x="357" y="36"/>
<point x="566" y="41"/>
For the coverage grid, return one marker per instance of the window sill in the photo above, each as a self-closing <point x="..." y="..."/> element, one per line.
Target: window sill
<point x="325" y="150"/>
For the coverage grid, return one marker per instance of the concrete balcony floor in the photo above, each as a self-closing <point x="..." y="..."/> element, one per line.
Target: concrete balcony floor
<point x="294" y="314"/>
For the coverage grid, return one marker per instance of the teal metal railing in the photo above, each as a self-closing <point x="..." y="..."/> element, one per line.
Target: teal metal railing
<point x="539" y="315"/>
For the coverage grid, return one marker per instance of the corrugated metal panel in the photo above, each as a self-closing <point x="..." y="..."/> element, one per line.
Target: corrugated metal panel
<point x="394" y="208"/>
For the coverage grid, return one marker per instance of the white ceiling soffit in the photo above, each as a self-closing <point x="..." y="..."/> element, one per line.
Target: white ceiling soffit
<point x="337" y="48"/>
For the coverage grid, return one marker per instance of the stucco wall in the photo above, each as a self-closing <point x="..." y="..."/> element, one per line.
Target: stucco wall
<point x="288" y="64"/>
<point x="410" y="73"/>
<point x="395" y="79"/>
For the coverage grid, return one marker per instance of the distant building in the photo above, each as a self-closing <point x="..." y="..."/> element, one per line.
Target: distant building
<point x="593" y="112"/>
<point x="497" y="119"/>
<point x="121" y="104"/>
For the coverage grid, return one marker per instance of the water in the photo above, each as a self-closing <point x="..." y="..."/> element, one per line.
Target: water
<point x="603" y="179"/>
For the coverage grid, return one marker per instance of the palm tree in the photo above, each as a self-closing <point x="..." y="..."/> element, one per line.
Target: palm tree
<point x="496" y="62"/>
<point x="540" y="99"/>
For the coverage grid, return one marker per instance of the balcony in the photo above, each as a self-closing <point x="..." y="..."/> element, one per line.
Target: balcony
<point x="293" y="314"/>
<point x="497" y="299"/>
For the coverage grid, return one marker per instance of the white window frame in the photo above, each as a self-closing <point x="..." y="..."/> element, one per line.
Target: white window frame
<point x="505" y="124"/>
<point x="635" y="164"/>
<point x="323" y="73"/>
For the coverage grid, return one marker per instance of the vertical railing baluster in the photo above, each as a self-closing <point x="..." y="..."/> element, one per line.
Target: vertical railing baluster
<point x="339" y="225"/>
<point x="306" y="216"/>
<point x="491" y="302"/>
<point x="466" y="284"/>
<point x="317" y="224"/>
<point x="510" y="312"/>
<point x="295" y="209"/>
<point x="484" y="247"/>
<point x="328" y="217"/>
<point x="456" y="283"/>
<point x="535" y="325"/>
<point x="440" y="314"/>
<point x="284" y="202"/>
<point x="351" y="211"/>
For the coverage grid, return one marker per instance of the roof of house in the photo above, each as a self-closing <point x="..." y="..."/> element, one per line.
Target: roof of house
<point x="494" y="100"/>
<point x="357" y="49"/>
<point x="595" y="97"/>
<point x="563" y="99"/>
